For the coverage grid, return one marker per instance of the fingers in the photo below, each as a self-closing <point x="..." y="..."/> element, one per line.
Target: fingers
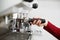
<point x="36" y="22"/>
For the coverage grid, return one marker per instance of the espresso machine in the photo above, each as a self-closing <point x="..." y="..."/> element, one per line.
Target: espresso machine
<point x="21" y="24"/>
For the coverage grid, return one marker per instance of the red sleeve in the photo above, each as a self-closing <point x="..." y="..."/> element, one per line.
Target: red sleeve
<point x="55" y="31"/>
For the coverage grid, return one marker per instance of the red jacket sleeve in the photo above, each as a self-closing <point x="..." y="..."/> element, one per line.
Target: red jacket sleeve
<point x="55" y="31"/>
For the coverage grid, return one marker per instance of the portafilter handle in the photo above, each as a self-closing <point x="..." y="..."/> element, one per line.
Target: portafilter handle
<point x="31" y="20"/>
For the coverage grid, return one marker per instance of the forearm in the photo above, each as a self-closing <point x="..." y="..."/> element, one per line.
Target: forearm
<point x="53" y="30"/>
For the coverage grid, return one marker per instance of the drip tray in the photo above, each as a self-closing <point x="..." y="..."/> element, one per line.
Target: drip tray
<point x="14" y="36"/>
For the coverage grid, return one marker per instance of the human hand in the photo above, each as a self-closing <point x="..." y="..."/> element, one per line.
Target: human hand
<point x="38" y="21"/>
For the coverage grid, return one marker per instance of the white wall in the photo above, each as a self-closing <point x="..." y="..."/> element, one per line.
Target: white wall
<point x="4" y="4"/>
<point x="49" y="10"/>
